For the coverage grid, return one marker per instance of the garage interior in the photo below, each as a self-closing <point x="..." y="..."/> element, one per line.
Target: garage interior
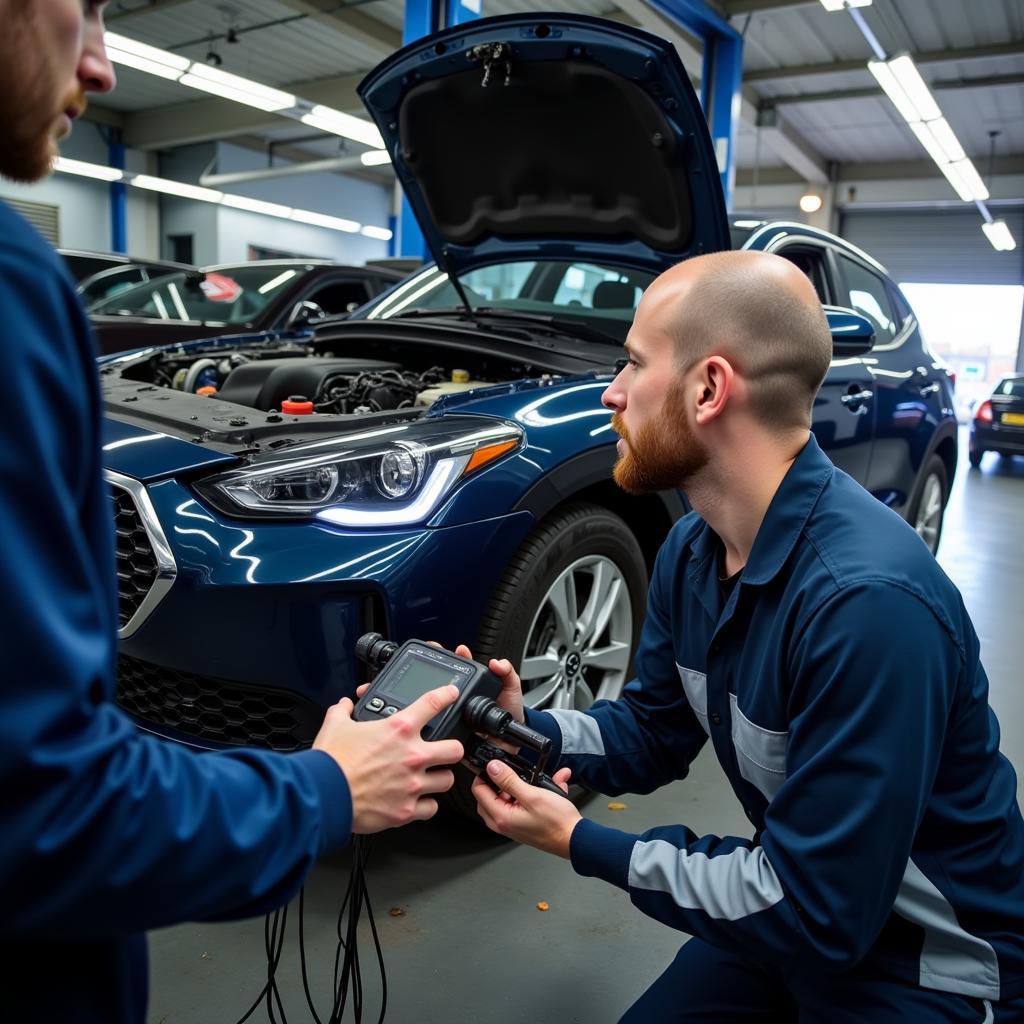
<point x="804" y="133"/>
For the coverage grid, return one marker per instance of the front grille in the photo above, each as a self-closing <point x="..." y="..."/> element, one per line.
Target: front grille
<point x="137" y="568"/>
<point x="216" y="709"/>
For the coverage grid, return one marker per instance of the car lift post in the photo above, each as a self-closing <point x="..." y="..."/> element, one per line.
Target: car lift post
<point x="118" y="197"/>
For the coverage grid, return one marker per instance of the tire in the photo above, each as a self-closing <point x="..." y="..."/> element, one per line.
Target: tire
<point x="974" y="458"/>
<point x="929" y="506"/>
<point x="581" y="555"/>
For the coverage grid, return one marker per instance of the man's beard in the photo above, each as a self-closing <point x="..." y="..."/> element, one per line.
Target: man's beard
<point x="28" y="135"/>
<point x="664" y="454"/>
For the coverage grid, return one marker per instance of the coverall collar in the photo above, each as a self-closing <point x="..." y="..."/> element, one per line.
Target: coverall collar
<point x="787" y="514"/>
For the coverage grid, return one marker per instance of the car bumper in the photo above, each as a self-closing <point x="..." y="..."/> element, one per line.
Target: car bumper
<point x="997" y="438"/>
<point x="256" y="633"/>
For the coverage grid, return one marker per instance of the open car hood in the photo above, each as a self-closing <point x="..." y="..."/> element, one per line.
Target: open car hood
<point x="550" y="134"/>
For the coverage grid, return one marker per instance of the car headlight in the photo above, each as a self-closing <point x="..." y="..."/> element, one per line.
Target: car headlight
<point x="393" y="476"/>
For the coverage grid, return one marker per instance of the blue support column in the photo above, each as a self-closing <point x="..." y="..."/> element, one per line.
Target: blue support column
<point x="721" y="78"/>
<point x="118" y="199"/>
<point x="421" y="18"/>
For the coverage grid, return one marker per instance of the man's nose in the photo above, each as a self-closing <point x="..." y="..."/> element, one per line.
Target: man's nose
<point x="614" y="397"/>
<point x="95" y="71"/>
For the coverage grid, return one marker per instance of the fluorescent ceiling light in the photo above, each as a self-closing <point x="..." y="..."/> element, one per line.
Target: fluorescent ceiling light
<point x="903" y="84"/>
<point x="202" y="76"/>
<point x="999" y="235"/>
<point x="256" y="205"/>
<point x="122" y="44"/>
<point x="151" y="67"/>
<point x="841" y="5"/>
<point x="322" y="220"/>
<point x="62" y="163"/>
<point x="177" y="188"/>
<point x="199" y="75"/>
<point x="374" y="157"/>
<point x="209" y="195"/>
<point x="914" y="86"/>
<point x="339" y="123"/>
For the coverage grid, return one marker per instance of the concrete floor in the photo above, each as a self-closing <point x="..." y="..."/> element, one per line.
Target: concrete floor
<point x="471" y="943"/>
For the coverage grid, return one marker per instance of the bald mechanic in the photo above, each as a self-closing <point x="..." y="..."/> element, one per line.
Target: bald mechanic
<point x="105" y="831"/>
<point x="805" y="629"/>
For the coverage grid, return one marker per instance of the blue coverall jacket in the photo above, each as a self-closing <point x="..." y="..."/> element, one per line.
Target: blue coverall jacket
<point x="104" y="832"/>
<point x="841" y="688"/>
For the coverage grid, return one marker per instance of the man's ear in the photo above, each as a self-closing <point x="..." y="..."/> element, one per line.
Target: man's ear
<point x="716" y="383"/>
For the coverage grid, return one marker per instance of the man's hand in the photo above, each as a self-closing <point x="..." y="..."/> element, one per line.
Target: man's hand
<point x="391" y="770"/>
<point x="526" y="813"/>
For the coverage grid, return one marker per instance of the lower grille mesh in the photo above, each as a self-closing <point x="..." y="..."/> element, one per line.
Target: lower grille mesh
<point x="216" y="709"/>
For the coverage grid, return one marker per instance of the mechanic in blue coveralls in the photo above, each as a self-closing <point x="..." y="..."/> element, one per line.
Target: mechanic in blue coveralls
<point x="106" y="832"/>
<point x="806" y="630"/>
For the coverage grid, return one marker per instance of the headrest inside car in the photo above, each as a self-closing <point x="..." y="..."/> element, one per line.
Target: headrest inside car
<point x="614" y="295"/>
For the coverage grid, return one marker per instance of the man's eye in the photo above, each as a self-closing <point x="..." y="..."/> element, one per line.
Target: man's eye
<point x="621" y="364"/>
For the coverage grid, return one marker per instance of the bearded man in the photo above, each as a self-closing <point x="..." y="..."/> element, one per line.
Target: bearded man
<point x="806" y="630"/>
<point x="107" y="832"/>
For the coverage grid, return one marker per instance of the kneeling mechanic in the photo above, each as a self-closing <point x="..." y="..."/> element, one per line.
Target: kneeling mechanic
<point x="806" y="630"/>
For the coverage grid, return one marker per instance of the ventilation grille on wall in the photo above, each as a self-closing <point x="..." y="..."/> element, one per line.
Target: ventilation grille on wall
<point x="44" y="217"/>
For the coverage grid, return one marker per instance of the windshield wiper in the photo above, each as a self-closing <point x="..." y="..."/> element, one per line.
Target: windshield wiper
<point x="562" y="326"/>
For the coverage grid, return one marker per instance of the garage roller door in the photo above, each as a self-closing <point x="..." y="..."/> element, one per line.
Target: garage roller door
<point x="938" y="247"/>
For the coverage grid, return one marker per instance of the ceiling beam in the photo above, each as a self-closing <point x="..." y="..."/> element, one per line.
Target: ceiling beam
<point x="202" y="120"/>
<point x="731" y="8"/>
<point x="1012" y="49"/>
<point x="901" y="170"/>
<point x="373" y="35"/>
<point x="103" y="115"/>
<point x="988" y="82"/>
<point x="119" y="10"/>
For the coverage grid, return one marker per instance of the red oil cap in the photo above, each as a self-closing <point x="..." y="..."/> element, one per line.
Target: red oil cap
<point x="296" y="405"/>
<point x="207" y="389"/>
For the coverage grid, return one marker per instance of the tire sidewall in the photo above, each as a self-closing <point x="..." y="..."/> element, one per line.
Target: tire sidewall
<point x="597" y="533"/>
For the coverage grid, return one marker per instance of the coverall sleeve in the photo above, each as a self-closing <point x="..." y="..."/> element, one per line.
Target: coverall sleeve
<point x="874" y="675"/>
<point x="106" y="830"/>
<point x="650" y="735"/>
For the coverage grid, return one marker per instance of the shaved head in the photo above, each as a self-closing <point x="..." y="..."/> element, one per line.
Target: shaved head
<point x="759" y="312"/>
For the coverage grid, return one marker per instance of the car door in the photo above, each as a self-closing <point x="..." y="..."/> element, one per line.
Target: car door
<point x="843" y="417"/>
<point x="908" y="395"/>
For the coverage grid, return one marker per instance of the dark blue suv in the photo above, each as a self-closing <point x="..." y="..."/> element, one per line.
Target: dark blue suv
<point x="439" y="465"/>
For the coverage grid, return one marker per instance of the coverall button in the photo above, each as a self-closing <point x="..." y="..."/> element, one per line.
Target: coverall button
<point x="716" y="718"/>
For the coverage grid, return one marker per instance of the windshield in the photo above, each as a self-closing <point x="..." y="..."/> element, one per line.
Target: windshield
<point x="227" y="295"/>
<point x="598" y="295"/>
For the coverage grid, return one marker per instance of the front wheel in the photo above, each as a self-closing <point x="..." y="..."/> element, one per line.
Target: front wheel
<point x="567" y="613"/>
<point x="928" y="511"/>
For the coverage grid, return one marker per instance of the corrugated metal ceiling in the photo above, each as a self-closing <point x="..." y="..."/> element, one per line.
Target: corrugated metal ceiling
<point x="855" y="129"/>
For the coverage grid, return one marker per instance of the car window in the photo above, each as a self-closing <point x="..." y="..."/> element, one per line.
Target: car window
<point x="593" y="292"/>
<point x="812" y="261"/>
<point x="228" y="295"/>
<point x="109" y="283"/>
<point x="1010" y="388"/>
<point x="336" y="298"/>
<point x="868" y="295"/>
<point x="584" y="284"/>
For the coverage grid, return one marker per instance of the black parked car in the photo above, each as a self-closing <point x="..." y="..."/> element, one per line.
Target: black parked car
<point x="264" y="295"/>
<point x="998" y="424"/>
<point x="85" y="266"/>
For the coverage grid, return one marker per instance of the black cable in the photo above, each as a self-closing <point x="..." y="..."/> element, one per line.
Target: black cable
<point x="302" y="957"/>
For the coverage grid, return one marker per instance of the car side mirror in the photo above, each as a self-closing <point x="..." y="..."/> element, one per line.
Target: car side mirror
<point x="852" y="334"/>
